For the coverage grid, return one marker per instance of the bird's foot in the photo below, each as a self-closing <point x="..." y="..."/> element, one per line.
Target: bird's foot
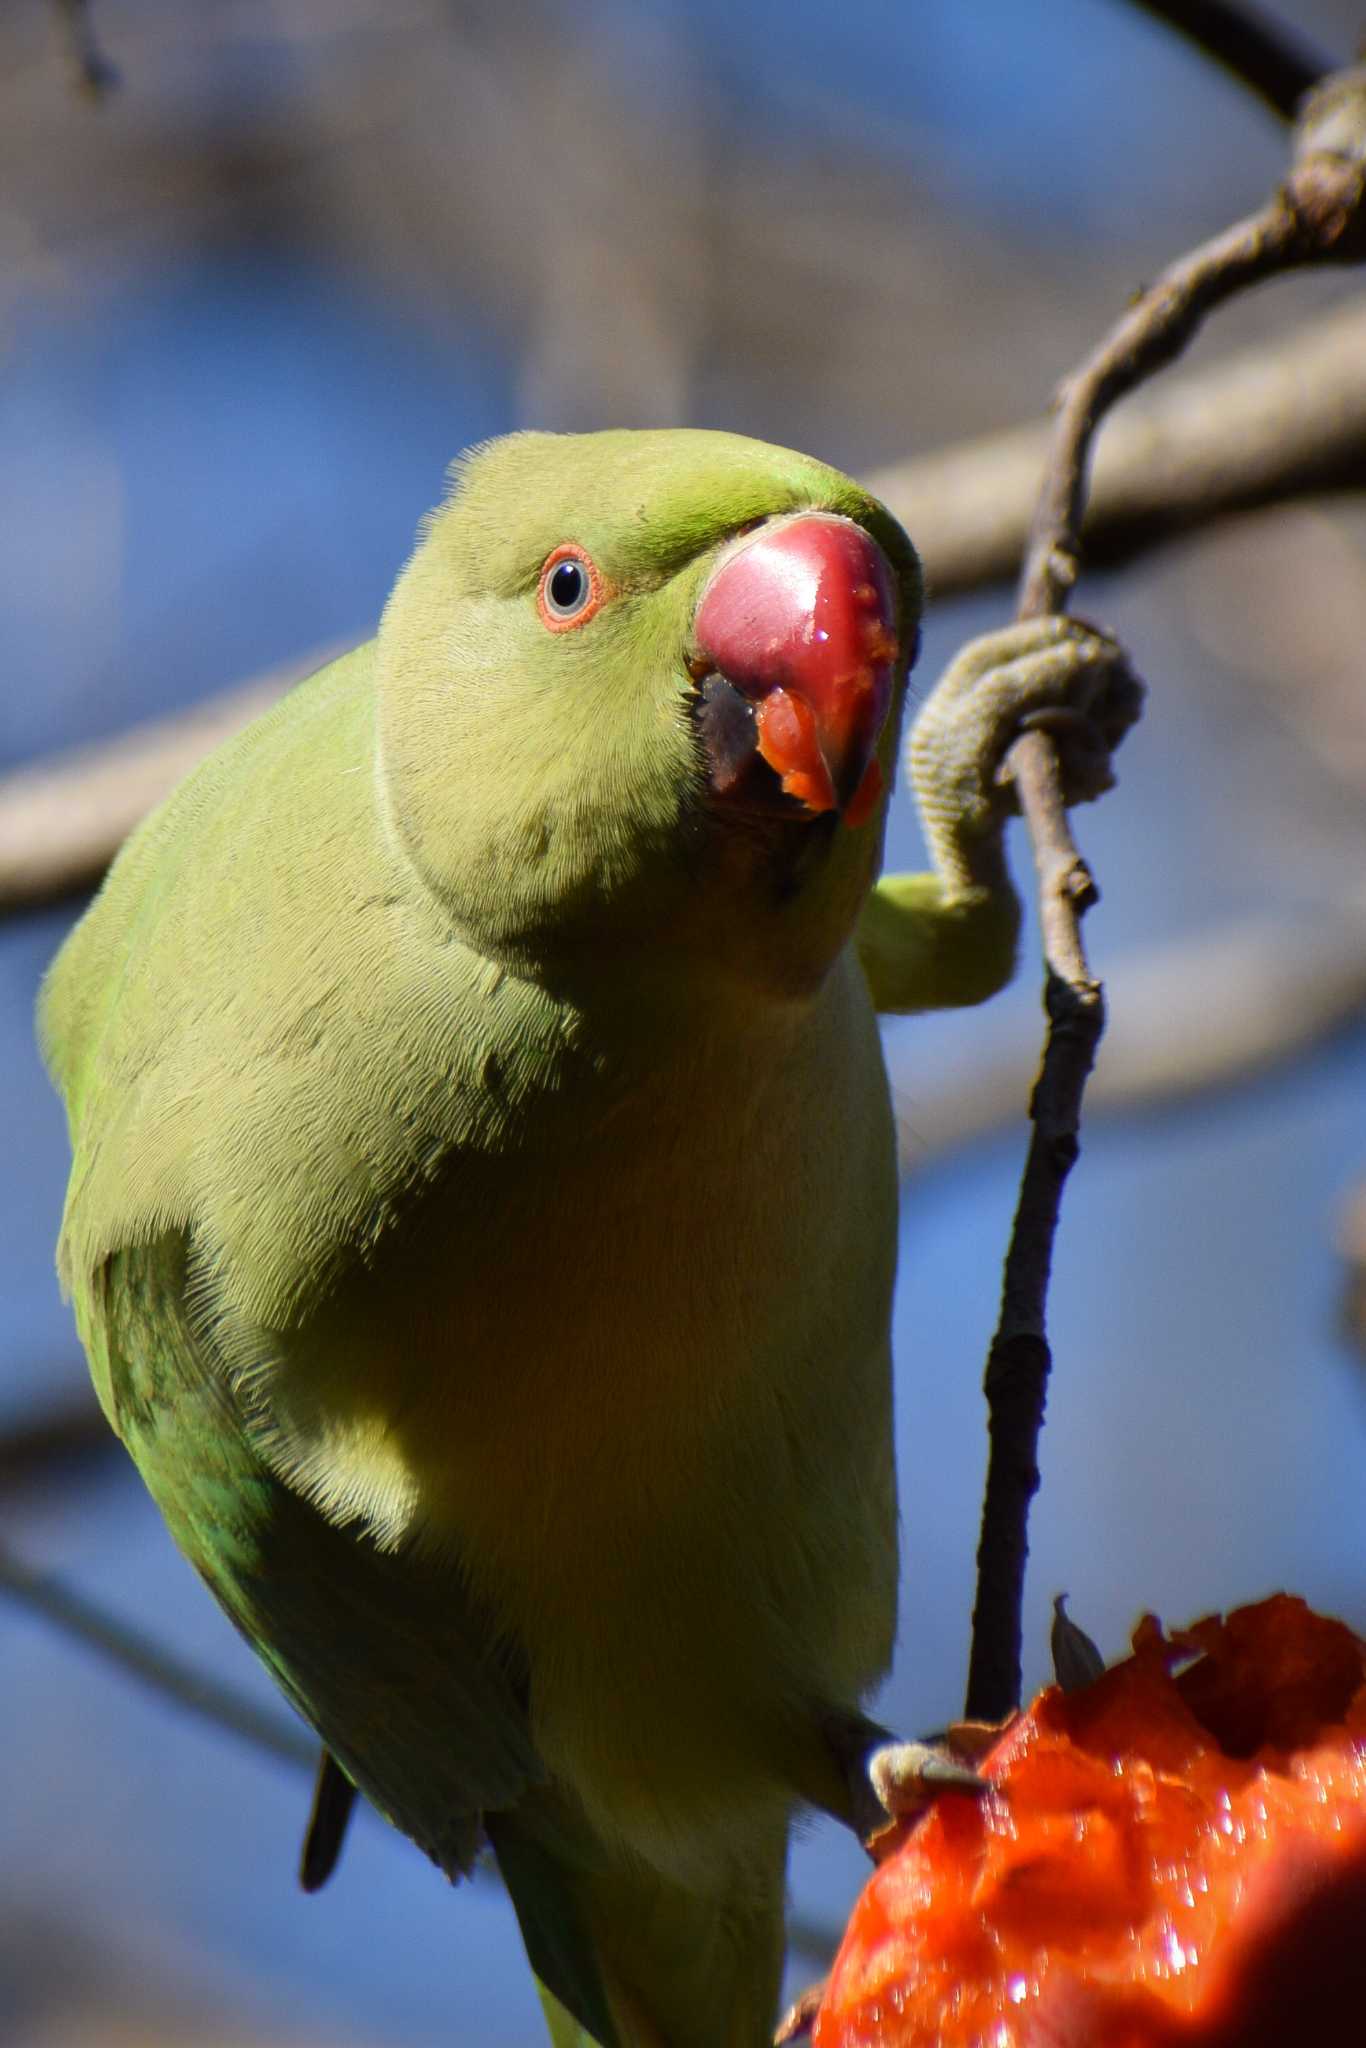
<point x="905" y="1779"/>
<point x="888" y="1782"/>
<point x="1056" y="673"/>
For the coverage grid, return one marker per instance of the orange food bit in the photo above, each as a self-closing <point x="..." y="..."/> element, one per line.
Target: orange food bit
<point x="788" y="742"/>
<point x="1176" y="1858"/>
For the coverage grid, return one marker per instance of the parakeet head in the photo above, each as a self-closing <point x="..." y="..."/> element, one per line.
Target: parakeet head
<point x="641" y="692"/>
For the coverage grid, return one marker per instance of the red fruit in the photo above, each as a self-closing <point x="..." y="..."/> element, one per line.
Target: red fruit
<point x="1176" y="1858"/>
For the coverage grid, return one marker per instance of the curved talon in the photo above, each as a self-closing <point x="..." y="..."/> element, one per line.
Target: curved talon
<point x="908" y="1776"/>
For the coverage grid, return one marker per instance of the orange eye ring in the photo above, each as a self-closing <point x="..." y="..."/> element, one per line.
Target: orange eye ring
<point x="570" y="589"/>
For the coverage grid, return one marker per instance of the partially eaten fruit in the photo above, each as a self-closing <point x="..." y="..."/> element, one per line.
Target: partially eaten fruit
<point x="1176" y="1858"/>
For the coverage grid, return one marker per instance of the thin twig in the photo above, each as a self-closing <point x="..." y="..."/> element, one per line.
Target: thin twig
<point x="1273" y="61"/>
<point x="1159" y="325"/>
<point x="1318" y="215"/>
<point x="1018" y="1362"/>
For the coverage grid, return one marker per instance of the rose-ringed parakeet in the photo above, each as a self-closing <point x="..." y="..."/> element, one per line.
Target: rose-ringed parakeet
<point x="483" y="1218"/>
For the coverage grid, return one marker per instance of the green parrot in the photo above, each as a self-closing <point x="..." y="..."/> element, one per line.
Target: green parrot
<point x="483" y="1218"/>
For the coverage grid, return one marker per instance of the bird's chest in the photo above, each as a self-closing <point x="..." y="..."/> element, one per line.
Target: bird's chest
<point x="635" y="1378"/>
<point x="646" y="1316"/>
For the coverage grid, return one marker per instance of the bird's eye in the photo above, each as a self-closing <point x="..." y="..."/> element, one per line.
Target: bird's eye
<point x="570" y="588"/>
<point x="566" y="588"/>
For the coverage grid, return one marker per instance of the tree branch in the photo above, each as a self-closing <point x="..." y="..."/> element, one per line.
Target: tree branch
<point x="63" y="820"/>
<point x="1191" y="1020"/>
<point x="1266" y="424"/>
<point x="1302" y="224"/>
<point x="1317" y="216"/>
<point x="1269" y="59"/>
<point x="154" y="1666"/>
<point x="68" y="1431"/>
<point x="1351" y="1239"/>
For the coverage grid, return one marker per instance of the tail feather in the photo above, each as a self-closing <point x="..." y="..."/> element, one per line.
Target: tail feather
<point x="565" y="2031"/>
<point x="559" y="1945"/>
<point x="625" y="1958"/>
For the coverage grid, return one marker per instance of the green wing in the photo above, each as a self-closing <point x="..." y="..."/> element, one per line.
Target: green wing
<point x="384" y="1651"/>
<point x="420" y="1699"/>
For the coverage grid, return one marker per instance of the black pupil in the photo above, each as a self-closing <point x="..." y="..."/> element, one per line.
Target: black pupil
<point x="568" y="585"/>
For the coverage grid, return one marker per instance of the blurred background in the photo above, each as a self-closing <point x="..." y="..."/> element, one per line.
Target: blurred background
<point x="250" y="306"/>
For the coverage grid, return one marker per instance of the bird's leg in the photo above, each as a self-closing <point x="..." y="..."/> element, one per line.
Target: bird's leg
<point x="883" y="1781"/>
<point x="947" y="937"/>
<point x="888" y="1780"/>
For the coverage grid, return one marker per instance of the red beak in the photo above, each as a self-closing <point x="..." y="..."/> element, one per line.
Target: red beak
<point x="801" y="620"/>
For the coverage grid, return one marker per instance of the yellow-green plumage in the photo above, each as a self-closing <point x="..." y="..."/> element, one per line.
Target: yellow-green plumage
<point x="483" y="1223"/>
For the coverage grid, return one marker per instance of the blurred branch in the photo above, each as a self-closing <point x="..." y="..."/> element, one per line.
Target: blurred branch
<point x="1267" y="424"/>
<point x="1279" y="600"/>
<point x="72" y="1429"/>
<point x="223" y="1706"/>
<point x="63" y="820"/>
<point x="92" y="73"/>
<point x="1193" y="1019"/>
<point x="1318" y="215"/>
<point x="1267" y="57"/>
<point x="154" y="1666"/>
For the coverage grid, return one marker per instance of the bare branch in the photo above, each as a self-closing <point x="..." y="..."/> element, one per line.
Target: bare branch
<point x="1318" y="215"/>
<point x="1268" y="423"/>
<point x="1018" y="1362"/>
<point x="1160" y="324"/>
<point x="1277" y="65"/>
<point x="1067" y="888"/>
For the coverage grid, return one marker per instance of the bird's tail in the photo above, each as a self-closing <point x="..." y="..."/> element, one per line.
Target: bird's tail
<point x="565" y="2031"/>
<point x="625" y="1958"/>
